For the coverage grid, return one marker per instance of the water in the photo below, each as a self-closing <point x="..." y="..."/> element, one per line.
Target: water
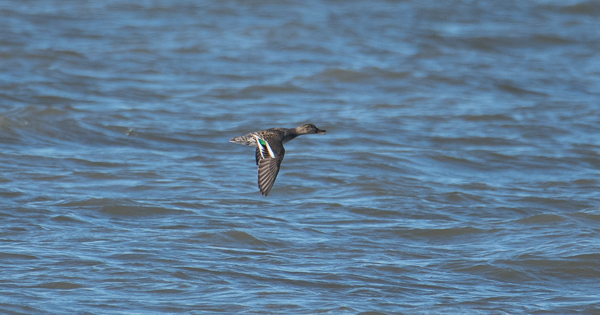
<point x="459" y="173"/>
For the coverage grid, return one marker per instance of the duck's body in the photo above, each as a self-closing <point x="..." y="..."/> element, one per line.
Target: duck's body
<point x="270" y="150"/>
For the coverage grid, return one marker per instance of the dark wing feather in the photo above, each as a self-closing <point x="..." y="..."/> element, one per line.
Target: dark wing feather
<point x="268" y="169"/>
<point x="258" y="157"/>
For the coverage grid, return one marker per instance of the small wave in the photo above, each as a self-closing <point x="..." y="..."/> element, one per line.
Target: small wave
<point x="59" y="285"/>
<point x="511" y="88"/>
<point x="447" y="232"/>
<point x="66" y="219"/>
<point x="121" y="207"/>
<point x="488" y="117"/>
<point x="496" y="271"/>
<point x="13" y="256"/>
<point x="241" y="237"/>
<point x="375" y="212"/>
<point x="542" y="219"/>
<point x="341" y="75"/>
<point x="135" y="210"/>
<point x="256" y="90"/>
<point x="591" y="8"/>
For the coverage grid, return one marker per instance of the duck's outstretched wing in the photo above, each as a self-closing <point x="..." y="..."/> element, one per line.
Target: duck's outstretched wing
<point x="269" y="155"/>
<point x="268" y="168"/>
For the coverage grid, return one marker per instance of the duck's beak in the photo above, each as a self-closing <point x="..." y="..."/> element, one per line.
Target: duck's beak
<point x="321" y="131"/>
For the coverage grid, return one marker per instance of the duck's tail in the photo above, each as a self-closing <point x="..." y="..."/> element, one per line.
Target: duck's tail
<point x="244" y="140"/>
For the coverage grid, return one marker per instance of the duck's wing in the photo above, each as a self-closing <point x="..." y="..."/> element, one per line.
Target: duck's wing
<point x="269" y="154"/>
<point x="268" y="168"/>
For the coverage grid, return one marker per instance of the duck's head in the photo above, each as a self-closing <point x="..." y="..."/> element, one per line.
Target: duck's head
<point x="309" y="129"/>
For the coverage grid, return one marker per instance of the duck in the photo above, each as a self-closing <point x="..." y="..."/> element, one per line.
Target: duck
<point x="270" y="151"/>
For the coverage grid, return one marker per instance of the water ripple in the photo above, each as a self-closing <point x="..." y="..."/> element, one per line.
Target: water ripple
<point x="458" y="175"/>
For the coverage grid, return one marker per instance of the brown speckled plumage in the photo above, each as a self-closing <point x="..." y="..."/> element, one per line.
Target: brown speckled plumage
<point x="269" y="161"/>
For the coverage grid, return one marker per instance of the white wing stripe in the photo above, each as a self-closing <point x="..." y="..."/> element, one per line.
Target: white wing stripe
<point x="259" y="145"/>
<point x="269" y="148"/>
